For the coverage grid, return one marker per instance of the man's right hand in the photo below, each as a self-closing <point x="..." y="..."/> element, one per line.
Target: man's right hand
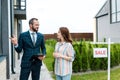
<point x="14" y="40"/>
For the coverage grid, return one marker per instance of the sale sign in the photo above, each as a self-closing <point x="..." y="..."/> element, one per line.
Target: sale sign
<point x="100" y="52"/>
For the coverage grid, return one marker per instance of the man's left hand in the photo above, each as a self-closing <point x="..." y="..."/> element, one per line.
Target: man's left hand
<point x="41" y="57"/>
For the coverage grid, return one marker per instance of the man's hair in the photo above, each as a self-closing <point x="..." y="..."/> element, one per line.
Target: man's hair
<point x="31" y="20"/>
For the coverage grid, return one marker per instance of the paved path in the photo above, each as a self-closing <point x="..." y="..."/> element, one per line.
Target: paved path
<point x="45" y="74"/>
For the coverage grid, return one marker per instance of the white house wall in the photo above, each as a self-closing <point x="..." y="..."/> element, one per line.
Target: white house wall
<point x="103" y="28"/>
<point x="107" y="30"/>
<point x="15" y="26"/>
<point x="15" y="30"/>
<point x="115" y="32"/>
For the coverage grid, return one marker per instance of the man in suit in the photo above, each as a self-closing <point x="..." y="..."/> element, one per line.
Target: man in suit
<point x="32" y="44"/>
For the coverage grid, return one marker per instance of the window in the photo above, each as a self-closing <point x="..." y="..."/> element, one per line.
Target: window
<point x="115" y="11"/>
<point x="23" y="3"/>
<point x="20" y="4"/>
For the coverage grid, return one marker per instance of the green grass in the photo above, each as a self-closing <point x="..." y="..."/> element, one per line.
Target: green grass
<point x="115" y="75"/>
<point x="98" y="75"/>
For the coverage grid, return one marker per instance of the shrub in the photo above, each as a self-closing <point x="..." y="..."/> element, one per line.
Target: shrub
<point x="84" y="55"/>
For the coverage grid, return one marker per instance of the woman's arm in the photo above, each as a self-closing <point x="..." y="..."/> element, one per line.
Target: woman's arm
<point x="66" y="57"/>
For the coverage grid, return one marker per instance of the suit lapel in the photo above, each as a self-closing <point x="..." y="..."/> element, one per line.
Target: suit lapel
<point x="37" y="39"/>
<point x="29" y="37"/>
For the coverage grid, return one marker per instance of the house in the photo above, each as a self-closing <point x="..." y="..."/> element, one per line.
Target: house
<point x="108" y="21"/>
<point x="11" y="14"/>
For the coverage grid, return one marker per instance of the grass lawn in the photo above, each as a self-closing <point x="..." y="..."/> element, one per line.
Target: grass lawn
<point x="98" y="75"/>
<point x="115" y="75"/>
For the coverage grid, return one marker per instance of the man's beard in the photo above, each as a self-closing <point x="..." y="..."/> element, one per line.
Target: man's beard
<point x="35" y="30"/>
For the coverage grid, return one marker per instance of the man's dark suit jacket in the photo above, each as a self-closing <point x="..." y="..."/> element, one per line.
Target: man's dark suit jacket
<point x="25" y="44"/>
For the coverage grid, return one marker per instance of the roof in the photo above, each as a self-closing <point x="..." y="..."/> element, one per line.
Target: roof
<point x="103" y="11"/>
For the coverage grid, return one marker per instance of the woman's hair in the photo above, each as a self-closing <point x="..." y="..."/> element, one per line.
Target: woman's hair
<point x="66" y="34"/>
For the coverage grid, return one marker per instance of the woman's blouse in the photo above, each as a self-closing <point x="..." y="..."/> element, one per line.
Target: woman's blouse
<point x="62" y="66"/>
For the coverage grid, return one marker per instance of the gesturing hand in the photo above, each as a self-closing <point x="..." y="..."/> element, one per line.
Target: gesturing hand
<point x="14" y="40"/>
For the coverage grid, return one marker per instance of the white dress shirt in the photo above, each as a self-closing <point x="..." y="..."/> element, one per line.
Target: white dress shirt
<point x="34" y="35"/>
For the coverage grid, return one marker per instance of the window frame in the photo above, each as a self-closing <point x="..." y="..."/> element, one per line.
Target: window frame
<point x="115" y="18"/>
<point x="20" y="4"/>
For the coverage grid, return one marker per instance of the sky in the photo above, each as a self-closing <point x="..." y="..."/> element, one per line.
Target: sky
<point x="77" y="15"/>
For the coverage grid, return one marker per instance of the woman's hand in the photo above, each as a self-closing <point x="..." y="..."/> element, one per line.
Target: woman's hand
<point x="57" y="55"/>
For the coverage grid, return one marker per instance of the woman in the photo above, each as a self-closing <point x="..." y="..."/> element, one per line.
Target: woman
<point x="64" y="55"/>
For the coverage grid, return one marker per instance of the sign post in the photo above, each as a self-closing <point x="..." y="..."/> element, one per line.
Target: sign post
<point x="102" y="52"/>
<point x="109" y="59"/>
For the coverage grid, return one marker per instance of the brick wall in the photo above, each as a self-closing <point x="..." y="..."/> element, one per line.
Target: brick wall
<point x="75" y="36"/>
<point x="2" y="68"/>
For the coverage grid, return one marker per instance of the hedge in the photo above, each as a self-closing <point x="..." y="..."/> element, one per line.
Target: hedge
<point x="84" y="59"/>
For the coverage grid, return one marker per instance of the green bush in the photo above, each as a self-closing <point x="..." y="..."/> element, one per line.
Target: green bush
<point x="77" y="61"/>
<point x="84" y="60"/>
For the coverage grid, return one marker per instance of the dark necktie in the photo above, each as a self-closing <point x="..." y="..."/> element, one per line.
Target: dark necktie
<point x="33" y="38"/>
